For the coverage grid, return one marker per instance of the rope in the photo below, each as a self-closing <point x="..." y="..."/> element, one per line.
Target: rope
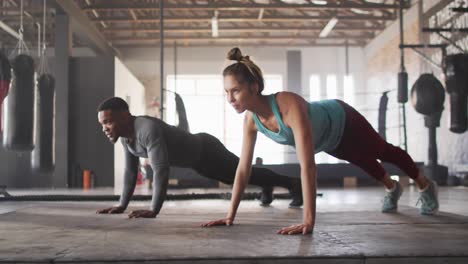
<point x="43" y="65"/>
<point x="21" y="47"/>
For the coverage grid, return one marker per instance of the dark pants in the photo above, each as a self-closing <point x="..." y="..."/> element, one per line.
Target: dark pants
<point x="218" y="163"/>
<point x="361" y="145"/>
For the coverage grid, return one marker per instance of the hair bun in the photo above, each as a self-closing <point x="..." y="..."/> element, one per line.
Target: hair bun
<point x="235" y="54"/>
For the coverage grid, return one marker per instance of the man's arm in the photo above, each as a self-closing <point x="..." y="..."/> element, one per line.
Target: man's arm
<point x="160" y="183"/>
<point x="159" y="160"/>
<point x="130" y="178"/>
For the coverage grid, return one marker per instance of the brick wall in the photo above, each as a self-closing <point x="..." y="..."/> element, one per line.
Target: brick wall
<point x="382" y="68"/>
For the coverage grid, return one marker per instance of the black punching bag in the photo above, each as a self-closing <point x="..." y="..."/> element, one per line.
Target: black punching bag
<point x="382" y="126"/>
<point x="402" y="94"/>
<point x="5" y="78"/>
<point x="19" y="114"/>
<point x="42" y="159"/>
<point x="456" y="78"/>
<point x="428" y="95"/>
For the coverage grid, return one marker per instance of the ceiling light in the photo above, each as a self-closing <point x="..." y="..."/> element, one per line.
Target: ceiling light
<point x="298" y="2"/>
<point x="9" y="30"/>
<point x="375" y="1"/>
<point x="260" y="14"/>
<point x="319" y="2"/>
<point x="214" y="25"/>
<point x="360" y="11"/>
<point x="329" y="27"/>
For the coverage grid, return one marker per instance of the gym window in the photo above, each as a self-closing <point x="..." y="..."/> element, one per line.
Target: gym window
<point x="331" y="92"/>
<point x="208" y="111"/>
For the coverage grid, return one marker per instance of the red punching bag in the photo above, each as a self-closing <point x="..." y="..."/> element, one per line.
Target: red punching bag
<point x="19" y="112"/>
<point x="5" y="78"/>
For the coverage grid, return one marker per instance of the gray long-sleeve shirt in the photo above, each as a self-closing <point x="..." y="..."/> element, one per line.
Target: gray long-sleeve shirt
<point x="164" y="146"/>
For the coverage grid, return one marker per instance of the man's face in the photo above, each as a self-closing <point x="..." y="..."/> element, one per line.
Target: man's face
<point x="110" y="124"/>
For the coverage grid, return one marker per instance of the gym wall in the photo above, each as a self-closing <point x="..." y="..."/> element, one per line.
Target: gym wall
<point x="91" y="81"/>
<point x="383" y="60"/>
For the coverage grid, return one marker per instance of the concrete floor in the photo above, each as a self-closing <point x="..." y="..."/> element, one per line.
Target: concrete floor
<point x="349" y="229"/>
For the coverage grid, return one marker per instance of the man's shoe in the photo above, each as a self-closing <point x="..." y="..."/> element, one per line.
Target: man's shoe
<point x="295" y="190"/>
<point x="267" y="196"/>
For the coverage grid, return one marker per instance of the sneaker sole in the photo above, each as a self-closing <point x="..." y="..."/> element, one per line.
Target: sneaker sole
<point x="294" y="206"/>
<point x="390" y="211"/>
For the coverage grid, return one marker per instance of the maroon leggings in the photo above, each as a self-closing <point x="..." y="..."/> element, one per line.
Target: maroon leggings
<point x="362" y="146"/>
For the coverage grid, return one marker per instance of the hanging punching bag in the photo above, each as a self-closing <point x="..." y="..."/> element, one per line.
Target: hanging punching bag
<point x="42" y="159"/>
<point x="428" y="95"/>
<point x="383" y="115"/>
<point x="402" y="94"/>
<point x="19" y="114"/>
<point x="456" y="79"/>
<point x="5" y="78"/>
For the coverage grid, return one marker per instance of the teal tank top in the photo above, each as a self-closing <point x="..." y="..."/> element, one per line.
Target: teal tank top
<point x="327" y="118"/>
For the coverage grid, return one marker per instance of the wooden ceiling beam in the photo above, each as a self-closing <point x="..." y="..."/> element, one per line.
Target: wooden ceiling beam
<point x="239" y="6"/>
<point x="243" y="19"/>
<point x="239" y="38"/>
<point x="240" y="29"/>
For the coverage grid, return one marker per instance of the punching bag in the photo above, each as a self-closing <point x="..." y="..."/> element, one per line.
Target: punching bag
<point x="402" y="94"/>
<point x="42" y="159"/>
<point x="180" y="108"/>
<point x="428" y="95"/>
<point x="383" y="115"/>
<point x="456" y="78"/>
<point x="19" y="114"/>
<point x="427" y="98"/>
<point x="5" y="78"/>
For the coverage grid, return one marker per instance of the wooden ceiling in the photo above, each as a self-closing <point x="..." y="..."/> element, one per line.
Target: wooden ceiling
<point x="247" y="22"/>
<point x="135" y="23"/>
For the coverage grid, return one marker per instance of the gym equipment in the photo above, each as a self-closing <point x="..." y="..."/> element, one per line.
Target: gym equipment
<point x="402" y="93"/>
<point x="19" y="115"/>
<point x="456" y="78"/>
<point x="382" y="126"/>
<point x="428" y="97"/>
<point x="42" y="156"/>
<point x="402" y="87"/>
<point x="5" y="78"/>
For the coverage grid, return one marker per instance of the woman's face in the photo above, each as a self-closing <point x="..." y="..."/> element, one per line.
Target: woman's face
<point x="239" y="95"/>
